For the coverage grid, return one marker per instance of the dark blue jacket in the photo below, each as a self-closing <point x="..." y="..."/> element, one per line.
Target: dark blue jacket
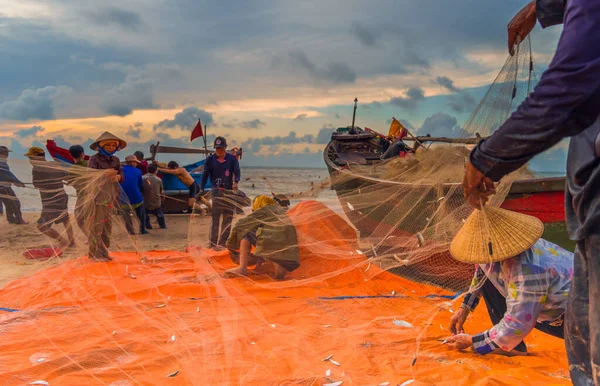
<point x="565" y="103"/>
<point x="222" y="174"/>
<point x="6" y="175"/>
<point x="132" y="186"/>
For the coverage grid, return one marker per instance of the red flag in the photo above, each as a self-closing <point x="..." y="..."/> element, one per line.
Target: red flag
<point x="197" y="132"/>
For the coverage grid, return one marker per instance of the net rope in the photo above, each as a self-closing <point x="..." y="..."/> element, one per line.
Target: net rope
<point x="369" y="302"/>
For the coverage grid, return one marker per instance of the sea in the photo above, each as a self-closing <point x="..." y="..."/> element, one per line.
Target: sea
<point x="255" y="181"/>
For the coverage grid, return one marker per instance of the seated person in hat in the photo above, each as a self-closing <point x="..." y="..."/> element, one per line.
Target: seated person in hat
<point x="185" y="177"/>
<point x="49" y="178"/>
<point x="106" y="196"/>
<point x="273" y="235"/>
<point x="525" y="282"/>
<point x="132" y="198"/>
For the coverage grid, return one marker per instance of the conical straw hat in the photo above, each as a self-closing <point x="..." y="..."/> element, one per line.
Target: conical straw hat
<point x="106" y="136"/>
<point x="494" y="234"/>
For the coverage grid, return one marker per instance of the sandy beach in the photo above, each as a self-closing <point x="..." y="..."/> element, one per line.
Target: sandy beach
<point x="180" y="232"/>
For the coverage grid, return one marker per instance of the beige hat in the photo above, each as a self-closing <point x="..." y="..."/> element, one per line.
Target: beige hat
<point x="494" y="234"/>
<point x="106" y="136"/>
<point x="132" y="158"/>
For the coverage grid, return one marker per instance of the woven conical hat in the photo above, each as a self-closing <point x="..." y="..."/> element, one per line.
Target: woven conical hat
<point x="494" y="234"/>
<point x="106" y="136"/>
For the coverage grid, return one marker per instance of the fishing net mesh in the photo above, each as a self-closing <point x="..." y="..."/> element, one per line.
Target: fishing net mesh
<point x="369" y="302"/>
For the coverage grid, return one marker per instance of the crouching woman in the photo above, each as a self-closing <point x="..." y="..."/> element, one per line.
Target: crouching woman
<point x="523" y="279"/>
<point x="273" y="235"/>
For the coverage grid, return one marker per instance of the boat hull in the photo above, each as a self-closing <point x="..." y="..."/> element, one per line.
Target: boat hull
<point x="371" y="205"/>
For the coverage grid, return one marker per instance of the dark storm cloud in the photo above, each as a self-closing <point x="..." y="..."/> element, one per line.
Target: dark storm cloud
<point x="413" y="96"/>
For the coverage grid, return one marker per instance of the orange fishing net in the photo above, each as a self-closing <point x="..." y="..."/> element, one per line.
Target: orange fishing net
<point x="165" y="317"/>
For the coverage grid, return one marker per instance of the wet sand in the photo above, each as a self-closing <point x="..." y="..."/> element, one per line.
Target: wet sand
<point x="180" y="232"/>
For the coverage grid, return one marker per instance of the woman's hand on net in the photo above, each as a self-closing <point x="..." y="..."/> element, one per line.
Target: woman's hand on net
<point x="460" y="341"/>
<point x="478" y="188"/>
<point x="521" y="25"/>
<point x="457" y="321"/>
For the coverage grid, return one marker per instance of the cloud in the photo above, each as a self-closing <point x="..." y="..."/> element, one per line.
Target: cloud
<point x="447" y="83"/>
<point x="31" y="132"/>
<point x="34" y="104"/>
<point x="300" y="117"/>
<point x="461" y="101"/>
<point x="364" y="36"/>
<point x="135" y="130"/>
<point x="186" y="119"/>
<point x="324" y="134"/>
<point x="135" y="93"/>
<point x="335" y="72"/>
<point x="253" y="124"/>
<point x="114" y="17"/>
<point x="292" y="138"/>
<point x="374" y="104"/>
<point x="442" y="125"/>
<point x="410" y="101"/>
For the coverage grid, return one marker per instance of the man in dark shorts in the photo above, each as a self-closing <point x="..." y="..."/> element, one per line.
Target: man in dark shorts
<point x="185" y="177"/>
<point x="49" y="178"/>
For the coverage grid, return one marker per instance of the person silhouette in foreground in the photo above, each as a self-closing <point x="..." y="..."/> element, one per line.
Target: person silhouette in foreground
<point x="273" y="235"/>
<point x="7" y="194"/>
<point x="48" y="178"/>
<point x="564" y="104"/>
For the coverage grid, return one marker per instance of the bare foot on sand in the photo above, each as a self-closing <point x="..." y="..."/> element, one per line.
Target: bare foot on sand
<point x="238" y="271"/>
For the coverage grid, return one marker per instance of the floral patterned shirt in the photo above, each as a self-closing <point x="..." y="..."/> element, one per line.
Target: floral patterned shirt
<point x="535" y="285"/>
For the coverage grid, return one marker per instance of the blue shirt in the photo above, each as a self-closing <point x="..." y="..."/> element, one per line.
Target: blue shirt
<point x="564" y="104"/>
<point x="132" y="186"/>
<point x="222" y="174"/>
<point x="536" y="287"/>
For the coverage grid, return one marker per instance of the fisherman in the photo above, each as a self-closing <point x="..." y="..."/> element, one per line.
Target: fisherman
<point x="523" y="289"/>
<point x="223" y="169"/>
<point x="48" y="178"/>
<point x="78" y="181"/>
<point x="185" y="177"/>
<point x="143" y="164"/>
<point x="7" y="195"/>
<point x="132" y="198"/>
<point x="397" y="132"/>
<point x="105" y="196"/>
<point x="273" y="235"/>
<point x="564" y="104"/>
<point x="154" y="195"/>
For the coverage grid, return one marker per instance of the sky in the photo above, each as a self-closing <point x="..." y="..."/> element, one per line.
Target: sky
<point x="275" y="77"/>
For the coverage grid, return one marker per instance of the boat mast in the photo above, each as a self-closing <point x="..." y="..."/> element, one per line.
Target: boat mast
<point x="354" y="113"/>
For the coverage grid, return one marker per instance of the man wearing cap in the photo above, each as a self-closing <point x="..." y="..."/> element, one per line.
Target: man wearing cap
<point x="7" y="195"/>
<point x="523" y="279"/>
<point x="223" y="169"/>
<point x="48" y="178"/>
<point x="132" y="198"/>
<point x="564" y="104"/>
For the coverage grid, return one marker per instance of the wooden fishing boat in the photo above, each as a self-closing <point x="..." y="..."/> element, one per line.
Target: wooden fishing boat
<point x="539" y="197"/>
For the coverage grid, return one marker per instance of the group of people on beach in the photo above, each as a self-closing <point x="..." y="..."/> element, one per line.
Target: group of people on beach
<point x="134" y="189"/>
